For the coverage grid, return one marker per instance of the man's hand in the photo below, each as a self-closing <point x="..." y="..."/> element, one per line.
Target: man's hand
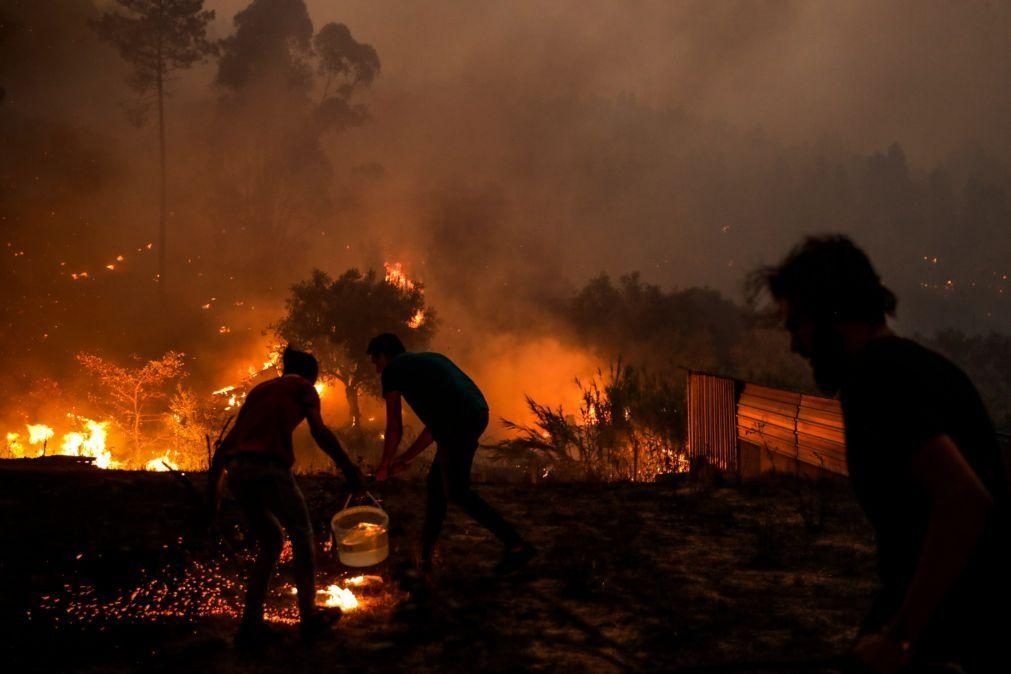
<point x="399" y="466"/>
<point x="392" y="436"/>
<point x="882" y="654"/>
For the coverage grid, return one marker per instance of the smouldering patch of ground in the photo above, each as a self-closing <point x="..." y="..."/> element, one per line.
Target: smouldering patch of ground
<point x="629" y="578"/>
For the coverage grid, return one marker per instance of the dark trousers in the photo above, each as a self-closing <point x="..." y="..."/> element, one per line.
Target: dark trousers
<point x="270" y="498"/>
<point x="449" y="481"/>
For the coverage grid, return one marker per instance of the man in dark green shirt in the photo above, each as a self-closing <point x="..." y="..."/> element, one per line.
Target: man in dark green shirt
<point x="455" y="414"/>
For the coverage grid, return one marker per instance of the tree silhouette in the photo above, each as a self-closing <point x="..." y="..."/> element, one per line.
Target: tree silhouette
<point x="130" y="391"/>
<point x="157" y="37"/>
<point x="273" y="179"/>
<point x="347" y="65"/>
<point x="272" y="41"/>
<point x="653" y="326"/>
<point x="334" y="319"/>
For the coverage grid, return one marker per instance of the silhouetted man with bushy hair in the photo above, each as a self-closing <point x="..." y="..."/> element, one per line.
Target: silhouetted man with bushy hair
<point x="258" y="457"/>
<point x="923" y="459"/>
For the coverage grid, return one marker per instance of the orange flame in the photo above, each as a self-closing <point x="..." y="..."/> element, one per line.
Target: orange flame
<point x="90" y="443"/>
<point x="162" y="464"/>
<point x="335" y="595"/>
<point x="14" y="445"/>
<point x="395" y="276"/>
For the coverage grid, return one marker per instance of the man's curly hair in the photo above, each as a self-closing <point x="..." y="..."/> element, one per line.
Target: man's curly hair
<point x="826" y="278"/>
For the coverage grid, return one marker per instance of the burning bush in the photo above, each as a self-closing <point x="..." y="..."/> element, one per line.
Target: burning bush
<point x="192" y="420"/>
<point x="629" y="428"/>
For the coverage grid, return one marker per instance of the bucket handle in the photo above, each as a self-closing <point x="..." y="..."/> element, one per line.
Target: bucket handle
<point x="371" y="497"/>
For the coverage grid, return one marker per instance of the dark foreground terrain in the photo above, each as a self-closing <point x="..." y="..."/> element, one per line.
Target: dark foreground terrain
<point x="102" y="571"/>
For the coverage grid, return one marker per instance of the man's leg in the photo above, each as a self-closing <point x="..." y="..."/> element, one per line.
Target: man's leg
<point x="290" y="508"/>
<point x="435" y="508"/>
<point x="459" y="459"/>
<point x="268" y="536"/>
<point x="252" y="492"/>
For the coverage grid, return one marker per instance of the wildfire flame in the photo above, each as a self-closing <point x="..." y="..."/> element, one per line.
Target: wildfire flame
<point x="14" y="445"/>
<point x="90" y="443"/>
<point x="39" y="434"/>
<point x="335" y="595"/>
<point x="395" y="276"/>
<point x="236" y="393"/>
<point x="343" y="598"/>
<point x="162" y="464"/>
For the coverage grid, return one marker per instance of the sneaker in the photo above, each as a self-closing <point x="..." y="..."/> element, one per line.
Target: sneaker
<point x="514" y="559"/>
<point x="320" y="622"/>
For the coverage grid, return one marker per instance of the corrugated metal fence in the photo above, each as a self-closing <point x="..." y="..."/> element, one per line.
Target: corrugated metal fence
<point x="749" y="429"/>
<point x="785" y="428"/>
<point x="712" y="429"/>
<point x="805" y="428"/>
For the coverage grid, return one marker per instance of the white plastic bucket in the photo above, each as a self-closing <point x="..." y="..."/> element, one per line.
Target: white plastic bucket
<point x="360" y="534"/>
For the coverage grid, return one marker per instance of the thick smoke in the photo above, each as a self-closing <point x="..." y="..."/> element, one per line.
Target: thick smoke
<point x="505" y="153"/>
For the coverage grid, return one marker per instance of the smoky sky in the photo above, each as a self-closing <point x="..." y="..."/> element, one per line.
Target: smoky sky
<point x="516" y="149"/>
<point x="694" y="140"/>
<point x="931" y="75"/>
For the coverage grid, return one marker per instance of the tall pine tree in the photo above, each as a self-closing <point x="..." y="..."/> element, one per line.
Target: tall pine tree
<point x="157" y="37"/>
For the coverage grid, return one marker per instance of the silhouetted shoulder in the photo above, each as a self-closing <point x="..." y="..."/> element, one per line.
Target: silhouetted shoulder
<point x="895" y="370"/>
<point x="900" y="394"/>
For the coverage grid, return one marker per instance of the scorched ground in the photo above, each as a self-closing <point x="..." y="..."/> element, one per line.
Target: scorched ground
<point x="630" y="577"/>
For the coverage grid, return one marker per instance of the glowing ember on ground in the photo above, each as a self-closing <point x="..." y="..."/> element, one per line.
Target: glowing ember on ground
<point x="202" y="590"/>
<point x="342" y="598"/>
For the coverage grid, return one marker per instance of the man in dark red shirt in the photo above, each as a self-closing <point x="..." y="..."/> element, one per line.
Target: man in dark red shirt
<point x="257" y="455"/>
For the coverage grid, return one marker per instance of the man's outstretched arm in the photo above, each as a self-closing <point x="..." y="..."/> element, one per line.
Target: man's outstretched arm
<point x="420" y="444"/>
<point x="331" y="446"/>
<point x="393" y="435"/>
